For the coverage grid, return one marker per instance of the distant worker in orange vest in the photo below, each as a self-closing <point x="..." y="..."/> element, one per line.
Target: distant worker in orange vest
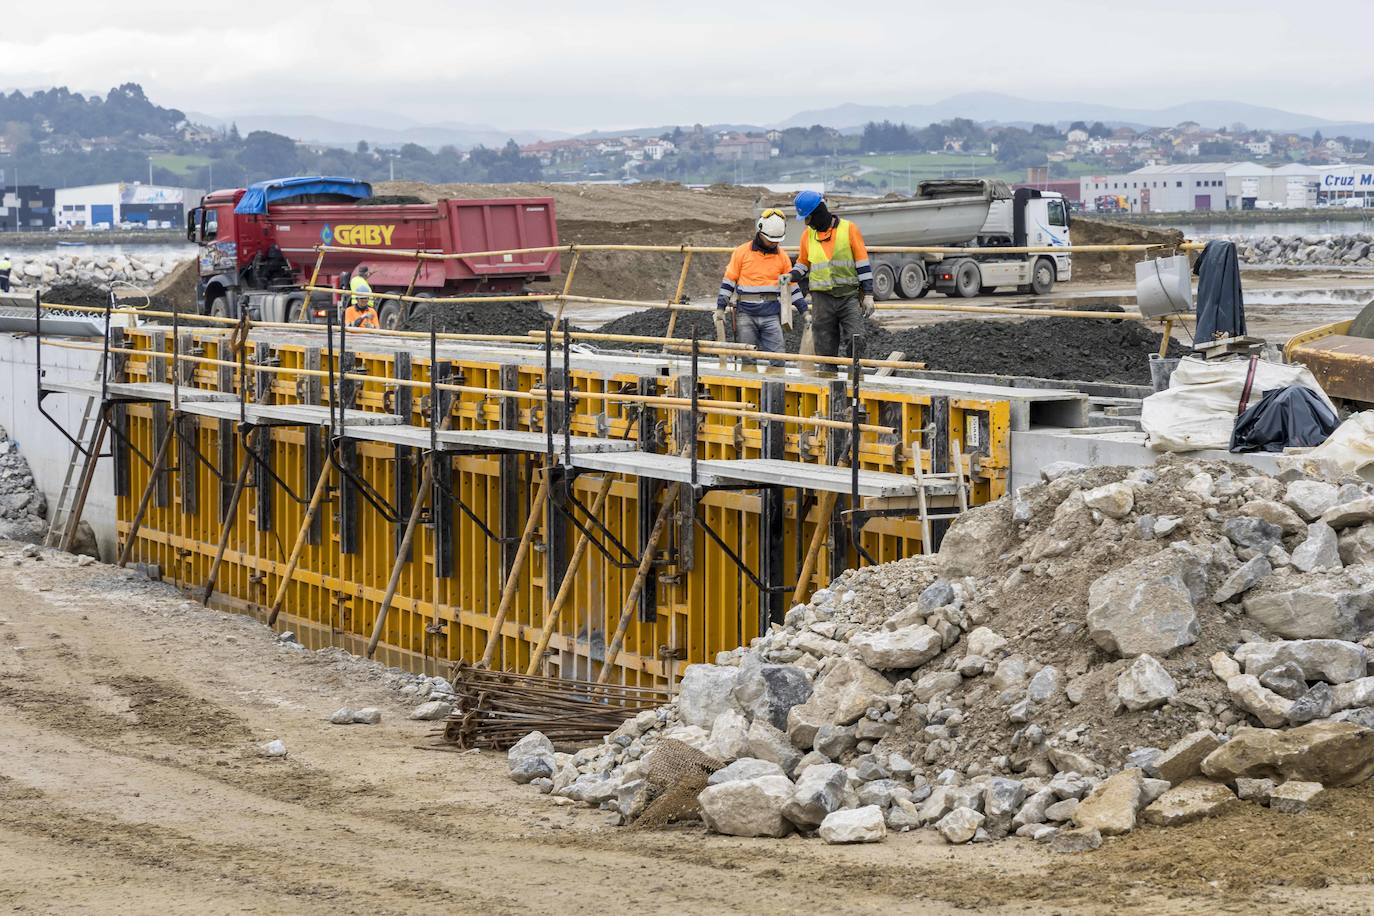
<point x="834" y="262"/>
<point x="752" y="278"/>
<point x="360" y="312"/>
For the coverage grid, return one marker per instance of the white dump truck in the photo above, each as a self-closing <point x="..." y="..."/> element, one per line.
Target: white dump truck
<point x="959" y="213"/>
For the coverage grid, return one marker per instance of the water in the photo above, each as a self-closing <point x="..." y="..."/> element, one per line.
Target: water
<point x="1206" y="229"/>
<point x="102" y="249"/>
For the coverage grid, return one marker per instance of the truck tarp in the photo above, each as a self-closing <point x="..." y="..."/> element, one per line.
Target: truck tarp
<point x="259" y="195"/>
<point x="986" y="188"/>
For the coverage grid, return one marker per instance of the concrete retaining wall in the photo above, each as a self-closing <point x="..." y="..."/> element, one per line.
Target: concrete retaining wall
<point x="46" y="449"/>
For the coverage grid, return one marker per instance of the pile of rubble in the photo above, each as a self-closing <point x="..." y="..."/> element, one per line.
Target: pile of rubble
<point x="1109" y="647"/>
<point x="1355" y="249"/>
<point x="23" y="509"/>
<point x="44" y="270"/>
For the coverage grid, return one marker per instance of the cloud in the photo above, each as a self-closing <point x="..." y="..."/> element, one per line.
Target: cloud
<point x="528" y="64"/>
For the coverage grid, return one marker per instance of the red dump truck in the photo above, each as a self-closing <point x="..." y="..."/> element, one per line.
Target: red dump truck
<point x="259" y="245"/>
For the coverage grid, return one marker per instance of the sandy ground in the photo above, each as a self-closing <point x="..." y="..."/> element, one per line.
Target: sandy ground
<point x="129" y="719"/>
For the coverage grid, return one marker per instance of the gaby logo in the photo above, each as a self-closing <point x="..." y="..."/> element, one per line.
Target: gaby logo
<point x="361" y="235"/>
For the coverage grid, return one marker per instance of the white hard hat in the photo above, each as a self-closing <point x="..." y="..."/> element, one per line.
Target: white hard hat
<point x="772" y="225"/>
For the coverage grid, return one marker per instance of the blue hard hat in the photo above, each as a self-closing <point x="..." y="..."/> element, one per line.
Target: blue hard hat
<point x="806" y="203"/>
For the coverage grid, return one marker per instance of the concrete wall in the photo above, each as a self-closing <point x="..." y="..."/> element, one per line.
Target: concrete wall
<point x="1033" y="449"/>
<point x="46" y="449"/>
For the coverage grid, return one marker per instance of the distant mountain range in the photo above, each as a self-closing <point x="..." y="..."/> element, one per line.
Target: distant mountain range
<point x="330" y="132"/>
<point x="1006" y="109"/>
<point x="986" y="107"/>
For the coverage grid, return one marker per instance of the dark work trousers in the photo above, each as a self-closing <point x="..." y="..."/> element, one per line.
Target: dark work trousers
<point x="834" y="320"/>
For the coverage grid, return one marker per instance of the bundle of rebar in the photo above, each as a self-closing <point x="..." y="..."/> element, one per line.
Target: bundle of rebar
<point x="495" y="709"/>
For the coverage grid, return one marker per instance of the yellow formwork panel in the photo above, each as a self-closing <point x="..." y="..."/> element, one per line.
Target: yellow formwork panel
<point x="439" y="615"/>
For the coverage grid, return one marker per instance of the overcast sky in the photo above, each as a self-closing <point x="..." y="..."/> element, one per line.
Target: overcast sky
<point x="611" y="64"/>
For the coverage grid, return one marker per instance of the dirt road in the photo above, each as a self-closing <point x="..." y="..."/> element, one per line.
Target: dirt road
<point x="130" y="782"/>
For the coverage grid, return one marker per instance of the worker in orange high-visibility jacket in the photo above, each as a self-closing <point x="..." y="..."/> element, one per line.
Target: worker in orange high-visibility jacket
<point x="834" y="261"/>
<point x="752" y="279"/>
<point x="361" y="313"/>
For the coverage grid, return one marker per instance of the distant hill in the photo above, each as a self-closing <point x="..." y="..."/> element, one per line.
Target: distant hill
<point x="329" y="132"/>
<point x="1006" y="109"/>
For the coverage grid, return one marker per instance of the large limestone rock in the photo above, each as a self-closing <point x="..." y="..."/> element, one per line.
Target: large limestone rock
<point x="976" y="539"/>
<point x="747" y="807"/>
<point x="1148" y="606"/>
<point x="1191" y="800"/>
<point x="530" y="758"/>
<point x="1332" y="660"/>
<point x="959" y="825"/>
<point x="1145" y="684"/>
<point x="855" y="825"/>
<point x="706" y="691"/>
<point x="843" y="693"/>
<point x="1331" y="607"/>
<point x="1349" y="515"/>
<point x="1331" y="753"/>
<point x="1321" y="550"/>
<point x="1264" y="704"/>
<point x="770" y="691"/>
<point x="1275" y="514"/>
<point x="908" y="647"/>
<point x="729" y="736"/>
<point x="1115" y="500"/>
<point x="1183" y="759"/>
<point x="818" y="793"/>
<point x="744" y="768"/>
<point x="1111" y="806"/>
<point x="1356" y="546"/>
<point x="1310" y="498"/>
<point x="1250" y="574"/>
<point x="767" y="743"/>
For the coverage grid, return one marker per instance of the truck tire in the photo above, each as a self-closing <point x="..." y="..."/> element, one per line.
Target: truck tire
<point x="884" y="282"/>
<point x="967" y="281"/>
<point x="390" y="315"/>
<point x="1042" y="280"/>
<point x="219" y="307"/>
<point x="296" y="312"/>
<point x="912" y="280"/>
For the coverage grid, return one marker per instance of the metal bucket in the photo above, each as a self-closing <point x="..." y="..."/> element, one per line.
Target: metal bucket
<point x="1161" y="370"/>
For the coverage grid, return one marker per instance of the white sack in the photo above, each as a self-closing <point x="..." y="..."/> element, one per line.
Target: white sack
<point x="1198" y="410"/>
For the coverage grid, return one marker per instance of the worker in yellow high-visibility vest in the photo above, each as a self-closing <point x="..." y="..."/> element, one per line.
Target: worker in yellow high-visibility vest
<point x="834" y="262"/>
<point x="361" y="313"/>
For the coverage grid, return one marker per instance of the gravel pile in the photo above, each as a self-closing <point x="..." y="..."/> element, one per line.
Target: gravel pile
<point x="1109" y="648"/>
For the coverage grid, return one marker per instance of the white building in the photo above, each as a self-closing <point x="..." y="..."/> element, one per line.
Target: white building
<point x="1221" y="186"/>
<point x="110" y="206"/>
<point x="1344" y="182"/>
<point x="1162" y="188"/>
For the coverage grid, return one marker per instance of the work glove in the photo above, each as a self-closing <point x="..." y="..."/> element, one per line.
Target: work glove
<point x="868" y="306"/>
<point x="721" y="304"/>
<point x="784" y="279"/>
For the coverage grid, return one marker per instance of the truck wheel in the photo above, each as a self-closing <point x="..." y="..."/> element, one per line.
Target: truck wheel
<point x="912" y="280"/>
<point x="968" y="279"/>
<point x="219" y="307"/>
<point x="296" y="312"/>
<point x="389" y="315"/>
<point x="1042" y="281"/>
<point x="883" y="282"/>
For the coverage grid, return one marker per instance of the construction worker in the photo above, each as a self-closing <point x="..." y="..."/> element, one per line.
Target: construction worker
<point x="834" y="262"/>
<point x="752" y="278"/>
<point x="360" y="312"/>
<point x="5" y="268"/>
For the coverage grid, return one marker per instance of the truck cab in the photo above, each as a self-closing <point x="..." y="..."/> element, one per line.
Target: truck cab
<point x="1032" y="219"/>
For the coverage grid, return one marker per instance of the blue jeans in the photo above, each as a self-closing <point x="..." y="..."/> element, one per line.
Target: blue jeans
<point x="763" y="331"/>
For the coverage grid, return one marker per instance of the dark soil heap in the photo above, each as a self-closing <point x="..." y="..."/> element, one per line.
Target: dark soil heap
<point x="1071" y="349"/>
<point x="512" y="318"/>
